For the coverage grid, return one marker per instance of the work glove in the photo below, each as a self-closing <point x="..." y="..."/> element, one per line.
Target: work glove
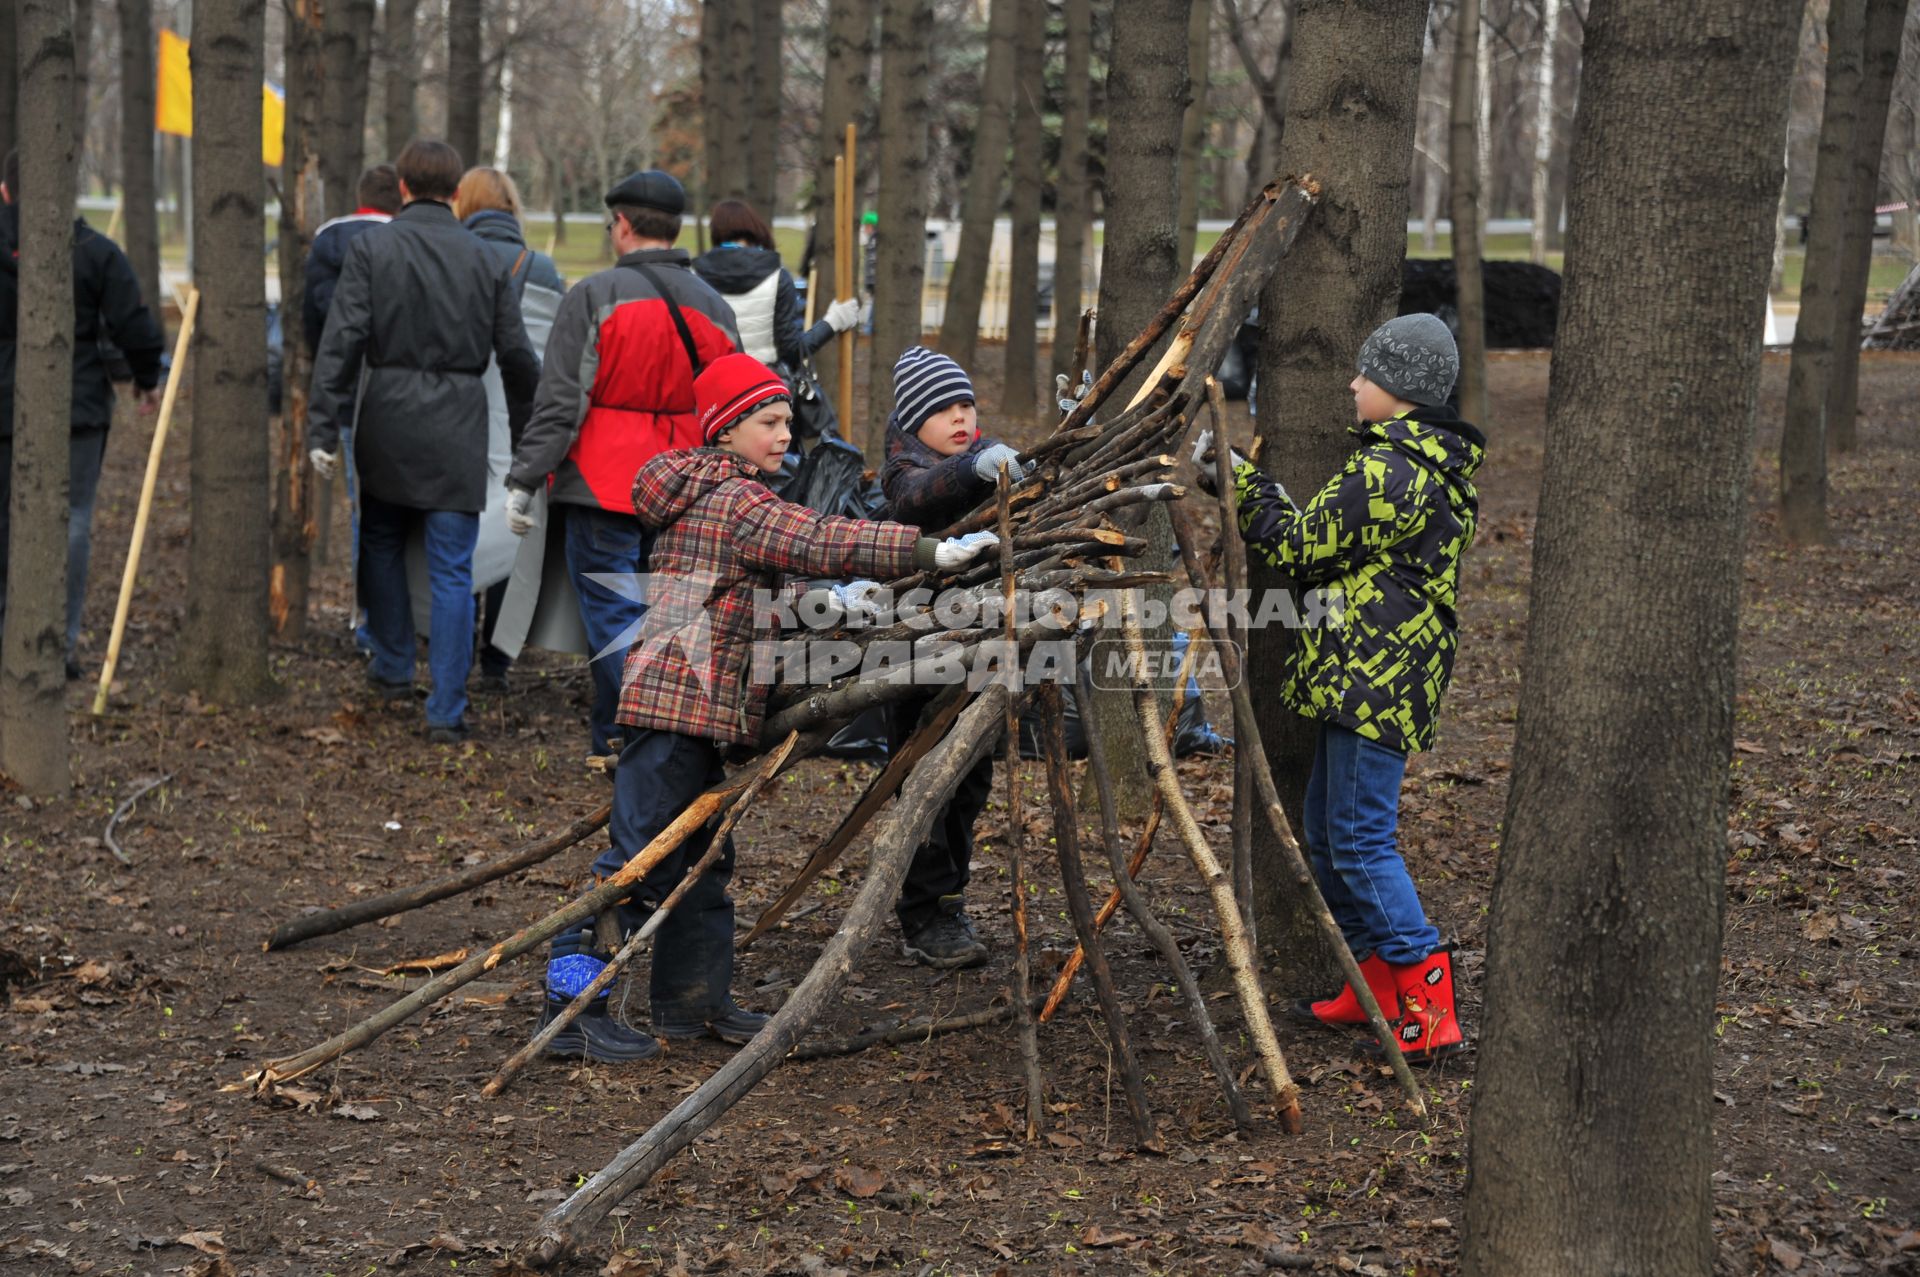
<point x="1070" y="401"/>
<point x="1202" y="458"/>
<point x="520" y="520"/>
<point x="957" y="552"/>
<point x="325" y="464"/>
<point x="859" y="601"/>
<point x="986" y="463"/>
<point x="843" y="314"/>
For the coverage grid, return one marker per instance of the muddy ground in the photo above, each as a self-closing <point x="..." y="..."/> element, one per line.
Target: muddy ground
<point x="136" y="994"/>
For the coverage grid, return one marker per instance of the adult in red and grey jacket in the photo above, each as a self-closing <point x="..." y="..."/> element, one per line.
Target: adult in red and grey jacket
<point x="616" y="390"/>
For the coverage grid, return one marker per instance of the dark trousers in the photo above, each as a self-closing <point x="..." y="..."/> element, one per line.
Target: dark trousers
<point x="86" y="447"/>
<point x="607" y="559"/>
<point x="943" y="864"/>
<point x="492" y="659"/>
<point x="659" y="775"/>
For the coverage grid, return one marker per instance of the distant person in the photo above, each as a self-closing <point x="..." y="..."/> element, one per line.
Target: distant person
<point x="744" y="267"/>
<point x="488" y="204"/>
<point x="616" y="390"/>
<point x="106" y="306"/>
<point x="421" y="307"/>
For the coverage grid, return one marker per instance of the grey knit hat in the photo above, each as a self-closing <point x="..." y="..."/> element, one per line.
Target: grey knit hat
<point x="1412" y="358"/>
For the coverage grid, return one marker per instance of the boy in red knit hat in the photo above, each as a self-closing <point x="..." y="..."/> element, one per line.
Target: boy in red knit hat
<point x="686" y="695"/>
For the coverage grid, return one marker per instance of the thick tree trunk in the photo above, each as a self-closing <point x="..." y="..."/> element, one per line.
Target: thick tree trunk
<point x="223" y="645"/>
<point x="843" y="95"/>
<point x="300" y="212"/>
<point x="9" y="78"/>
<point x="1029" y="175"/>
<point x="1592" y="1143"/>
<point x="1543" y="130"/>
<point x="399" y="38"/>
<point x="906" y="36"/>
<point x="763" y="144"/>
<point x="1073" y="198"/>
<point x="1884" y="22"/>
<point x="139" y="198"/>
<point x="1464" y="207"/>
<point x="726" y="107"/>
<point x="82" y="66"/>
<point x="33" y="681"/>
<point x="464" y="82"/>
<point x="1350" y="123"/>
<point x="986" y="179"/>
<point x="1803" y="438"/>
<point x="1193" y="129"/>
<point x="348" y="54"/>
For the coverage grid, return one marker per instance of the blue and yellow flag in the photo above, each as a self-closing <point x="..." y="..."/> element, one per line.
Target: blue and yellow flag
<point x="173" y="100"/>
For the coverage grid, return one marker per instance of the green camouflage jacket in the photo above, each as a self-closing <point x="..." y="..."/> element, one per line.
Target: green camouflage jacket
<point x="1386" y="534"/>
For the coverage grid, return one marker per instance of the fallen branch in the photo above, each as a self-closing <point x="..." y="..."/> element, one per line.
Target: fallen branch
<point x="918" y="1030"/>
<point x="120" y="813"/>
<point x="1016" y="870"/>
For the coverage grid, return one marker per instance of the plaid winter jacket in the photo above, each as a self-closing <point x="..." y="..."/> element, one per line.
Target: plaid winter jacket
<point x="926" y="489"/>
<point x="1386" y="534"/>
<point x="722" y="536"/>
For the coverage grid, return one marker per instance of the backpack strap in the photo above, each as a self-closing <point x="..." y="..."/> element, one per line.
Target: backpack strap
<point x="673" y="309"/>
<point x="520" y="277"/>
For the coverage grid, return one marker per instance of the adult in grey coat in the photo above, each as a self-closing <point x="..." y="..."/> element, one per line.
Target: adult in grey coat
<point x="415" y="349"/>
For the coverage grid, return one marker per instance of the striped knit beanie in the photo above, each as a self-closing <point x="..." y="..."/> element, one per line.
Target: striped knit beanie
<point x="923" y="384"/>
<point x="731" y="387"/>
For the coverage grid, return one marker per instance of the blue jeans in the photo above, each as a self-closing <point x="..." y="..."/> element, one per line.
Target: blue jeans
<point x="450" y="536"/>
<point x="600" y="542"/>
<point x="86" y="447"/>
<point x="660" y="773"/>
<point x="1351" y="817"/>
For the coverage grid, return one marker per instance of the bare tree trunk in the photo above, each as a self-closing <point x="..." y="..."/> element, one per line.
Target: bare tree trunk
<point x="1193" y="129"/>
<point x="9" y="78"/>
<point x="763" y="147"/>
<point x="1803" y="437"/>
<point x="139" y="198"/>
<point x="223" y="645"/>
<point x="82" y="67"/>
<point x="1885" y="19"/>
<point x="986" y="179"/>
<point x="1543" y="128"/>
<point x="347" y="49"/>
<point x="1464" y="207"/>
<point x="906" y="37"/>
<point x="33" y="681"/>
<point x="464" y="81"/>
<point x="1350" y="122"/>
<point x="1592" y="1145"/>
<point x="1029" y="175"/>
<point x="401" y="122"/>
<point x="843" y="93"/>
<point x="1073" y="199"/>
<point x="294" y="517"/>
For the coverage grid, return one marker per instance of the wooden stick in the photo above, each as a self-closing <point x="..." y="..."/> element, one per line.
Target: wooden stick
<point x="1240" y="960"/>
<point x="847" y="244"/>
<point x="174" y="377"/>
<point x="1155" y="930"/>
<point x="639" y="939"/>
<point x="325" y="922"/>
<point x="1073" y="880"/>
<point x="119" y="813"/>
<point x="1233" y="571"/>
<point x="900" y="831"/>
<point x="916" y="1030"/>
<point x="1016" y="870"/>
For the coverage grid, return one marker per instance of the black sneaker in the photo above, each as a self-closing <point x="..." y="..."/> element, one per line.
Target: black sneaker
<point x="598" y="1035"/>
<point x="736" y="1028"/>
<point x="493" y="682"/>
<point x="73" y="669"/>
<point x="386" y="691"/>
<point x="450" y="735"/>
<point x="946" y="941"/>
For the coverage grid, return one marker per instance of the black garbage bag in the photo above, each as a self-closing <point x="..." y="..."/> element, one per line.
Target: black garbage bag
<point x="833" y="480"/>
<point x="1033" y="728"/>
<point x="864" y="738"/>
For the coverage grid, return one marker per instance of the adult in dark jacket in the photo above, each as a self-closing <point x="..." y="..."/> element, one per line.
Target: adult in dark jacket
<point x="616" y="390"/>
<point x="444" y="305"/>
<point x="379" y="199"/>
<point x="106" y="306"/>
<point x="744" y="267"/>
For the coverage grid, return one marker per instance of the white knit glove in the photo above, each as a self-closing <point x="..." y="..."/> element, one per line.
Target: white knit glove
<point x="986" y="463"/>
<point x="325" y="464"/>
<point x="1203" y="449"/>
<point x="957" y="552"/>
<point x="858" y="599"/>
<point x="1069" y="400"/>
<point x="520" y="520"/>
<point x="843" y="314"/>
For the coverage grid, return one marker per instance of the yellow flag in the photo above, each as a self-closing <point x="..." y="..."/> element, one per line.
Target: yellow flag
<point x="173" y="100"/>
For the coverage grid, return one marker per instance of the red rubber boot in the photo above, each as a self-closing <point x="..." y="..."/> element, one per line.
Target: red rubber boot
<point x="1429" y="1026"/>
<point x="1343" y="1008"/>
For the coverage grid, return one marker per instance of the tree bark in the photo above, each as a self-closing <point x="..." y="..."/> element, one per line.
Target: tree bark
<point x="1592" y="1142"/>
<point x="763" y="137"/>
<point x="139" y="198"/>
<point x="906" y="36"/>
<point x="9" y="78"/>
<point x="400" y="118"/>
<point x="1028" y="176"/>
<point x="726" y="42"/>
<point x="1193" y="130"/>
<point x="1350" y="122"/>
<point x="33" y="684"/>
<point x="293" y="483"/>
<point x="464" y="81"/>
<point x="1073" y="198"/>
<point x="347" y="50"/>
<point x="1884" y="23"/>
<point x="1803" y="438"/>
<point x="82" y="66"/>
<point x="1464" y="207"/>
<point x="1543" y="130"/>
<point x="843" y="94"/>
<point x="986" y="180"/>
<point x="223" y="645"/>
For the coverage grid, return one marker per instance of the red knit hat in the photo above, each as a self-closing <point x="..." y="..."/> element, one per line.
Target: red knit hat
<point x="731" y="387"/>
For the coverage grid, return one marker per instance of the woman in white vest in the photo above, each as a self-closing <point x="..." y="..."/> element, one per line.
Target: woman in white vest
<point x="744" y="267"/>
